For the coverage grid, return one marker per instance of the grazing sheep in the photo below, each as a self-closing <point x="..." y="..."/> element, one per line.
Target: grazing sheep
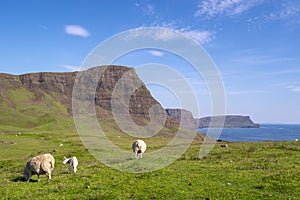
<point x="224" y="145"/>
<point x="73" y="163"/>
<point x="41" y="164"/>
<point x="139" y="147"/>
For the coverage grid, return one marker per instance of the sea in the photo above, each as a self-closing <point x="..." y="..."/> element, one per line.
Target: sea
<point x="266" y="132"/>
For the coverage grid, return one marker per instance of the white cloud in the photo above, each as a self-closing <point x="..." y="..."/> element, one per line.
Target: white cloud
<point x="71" y="67"/>
<point x="156" y="53"/>
<point x="212" y="8"/>
<point x="76" y="30"/>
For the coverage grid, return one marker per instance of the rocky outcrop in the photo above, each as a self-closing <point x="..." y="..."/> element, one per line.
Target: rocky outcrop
<point x="184" y="117"/>
<point x="230" y="121"/>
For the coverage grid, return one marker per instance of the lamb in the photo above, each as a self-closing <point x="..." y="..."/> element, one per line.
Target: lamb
<point x="41" y="164"/>
<point x="73" y="163"/>
<point x="139" y="147"/>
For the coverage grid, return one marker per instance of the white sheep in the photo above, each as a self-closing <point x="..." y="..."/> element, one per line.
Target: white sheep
<point x="73" y="163"/>
<point x="41" y="164"/>
<point x="139" y="147"/>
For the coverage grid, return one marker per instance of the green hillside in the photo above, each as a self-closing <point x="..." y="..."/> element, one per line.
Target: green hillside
<point x="23" y="109"/>
<point x="265" y="170"/>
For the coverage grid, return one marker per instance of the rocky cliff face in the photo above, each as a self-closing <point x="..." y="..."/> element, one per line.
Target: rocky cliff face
<point x="38" y="95"/>
<point x="184" y="117"/>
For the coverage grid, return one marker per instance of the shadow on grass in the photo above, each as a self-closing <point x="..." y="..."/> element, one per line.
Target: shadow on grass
<point x="22" y="179"/>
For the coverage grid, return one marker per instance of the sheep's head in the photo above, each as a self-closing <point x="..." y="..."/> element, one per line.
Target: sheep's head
<point x="65" y="160"/>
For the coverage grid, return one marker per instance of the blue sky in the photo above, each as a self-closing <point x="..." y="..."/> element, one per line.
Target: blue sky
<point x="254" y="43"/>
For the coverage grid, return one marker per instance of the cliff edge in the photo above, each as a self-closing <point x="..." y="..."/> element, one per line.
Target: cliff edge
<point x="230" y="121"/>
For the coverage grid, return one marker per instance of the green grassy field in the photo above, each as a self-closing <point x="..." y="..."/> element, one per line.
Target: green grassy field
<point x="264" y="170"/>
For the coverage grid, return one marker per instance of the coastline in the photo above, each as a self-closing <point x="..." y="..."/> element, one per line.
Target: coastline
<point x="267" y="132"/>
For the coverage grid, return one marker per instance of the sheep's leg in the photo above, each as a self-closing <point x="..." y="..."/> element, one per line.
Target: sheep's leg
<point x="141" y="155"/>
<point x="38" y="177"/>
<point x="49" y="175"/>
<point x="136" y="155"/>
<point x="75" y="169"/>
<point x="70" y="170"/>
<point x="29" y="177"/>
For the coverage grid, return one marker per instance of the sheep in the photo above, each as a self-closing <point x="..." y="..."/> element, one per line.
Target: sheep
<point x="139" y="147"/>
<point x="41" y="164"/>
<point x="73" y="163"/>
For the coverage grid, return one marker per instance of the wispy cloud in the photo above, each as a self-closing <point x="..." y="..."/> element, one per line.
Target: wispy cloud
<point x="245" y="92"/>
<point x="295" y="89"/>
<point x="293" y="86"/>
<point x="288" y="13"/>
<point x="156" y="53"/>
<point x="287" y="10"/>
<point x="260" y="59"/>
<point x="147" y="8"/>
<point x="71" y="67"/>
<point x="212" y="8"/>
<point x="202" y="37"/>
<point x="76" y="30"/>
<point x="290" y="71"/>
<point x="166" y="33"/>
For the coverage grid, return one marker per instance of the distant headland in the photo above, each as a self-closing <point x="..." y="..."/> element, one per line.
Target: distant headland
<point x="187" y="120"/>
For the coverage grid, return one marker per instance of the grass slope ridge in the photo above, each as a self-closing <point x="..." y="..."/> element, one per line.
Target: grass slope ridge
<point x="22" y="108"/>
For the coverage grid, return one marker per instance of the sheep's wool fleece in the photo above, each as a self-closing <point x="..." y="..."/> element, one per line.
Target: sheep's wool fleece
<point x="41" y="163"/>
<point x="139" y="145"/>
